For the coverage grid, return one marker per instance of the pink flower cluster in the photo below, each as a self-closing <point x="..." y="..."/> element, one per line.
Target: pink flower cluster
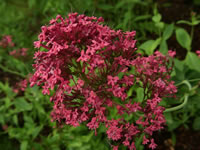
<point x="87" y="64"/>
<point x="20" y="86"/>
<point x="6" y="41"/>
<point x="19" y="52"/>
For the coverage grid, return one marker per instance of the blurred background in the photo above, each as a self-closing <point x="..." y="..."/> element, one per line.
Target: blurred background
<point x="25" y="121"/>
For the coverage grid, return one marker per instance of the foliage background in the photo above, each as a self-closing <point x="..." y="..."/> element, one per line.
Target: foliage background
<point x="25" y="121"/>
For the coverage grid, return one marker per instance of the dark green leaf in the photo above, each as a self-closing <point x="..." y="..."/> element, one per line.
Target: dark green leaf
<point x="196" y="124"/>
<point x="193" y="61"/>
<point x="183" y="38"/>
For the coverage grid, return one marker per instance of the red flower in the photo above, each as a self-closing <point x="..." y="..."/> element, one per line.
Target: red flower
<point x="82" y="63"/>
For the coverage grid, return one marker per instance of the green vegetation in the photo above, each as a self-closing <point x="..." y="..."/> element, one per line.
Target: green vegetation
<point x="25" y="121"/>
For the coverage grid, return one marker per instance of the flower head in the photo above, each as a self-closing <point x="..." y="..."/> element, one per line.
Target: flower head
<point x="83" y="61"/>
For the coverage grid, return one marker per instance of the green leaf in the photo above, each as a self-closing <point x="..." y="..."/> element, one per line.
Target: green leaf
<point x="127" y="18"/>
<point x="168" y="31"/>
<point x="16" y="133"/>
<point x="163" y="47"/>
<point x="24" y="145"/>
<point x="86" y="138"/>
<point x="2" y="119"/>
<point x="28" y="119"/>
<point x="75" y="144"/>
<point x="160" y="25"/>
<point x="138" y="142"/>
<point x="31" y="3"/>
<point x="157" y="18"/>
<point x="179" y="64"/>
<point x="37" y="146"/>
<point x="15" y="119"/>
<point x="179" y="69"/>
<point x="36" y="131"/>
<point x="193" y="61"/>
<point x="195" y="22"/>
<point x="183" y="38"/>
<point x="171" y="123"/>
<point x="140" y="94"/>
<point x="7" y="89"/>
<point x="22" y="105"/>
<point x="130" y="91"/>
<point x="146" y="46"/>
<point x="7" y="102"/>
<point x="196" y="124"/>
<point x="150" y="45"/>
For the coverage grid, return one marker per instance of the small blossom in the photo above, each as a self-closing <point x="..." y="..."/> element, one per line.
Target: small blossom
<point x="198" y="52"/>
<point x="171" y="53"/>
<point x="112" y="80"/>
<point x="133" y="107"/>
<point x="132" y="146"/>
<point x="93" y="124"/>
<point x="145" y="140"/>
<point x="115" y="147"/>
<point x="152" y="145"/>
<point x="84" y="57"/>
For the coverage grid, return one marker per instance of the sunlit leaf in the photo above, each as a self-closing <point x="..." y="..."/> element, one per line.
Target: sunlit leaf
<point x="183" y="38"/>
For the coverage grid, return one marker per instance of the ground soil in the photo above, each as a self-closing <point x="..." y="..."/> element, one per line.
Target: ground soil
<point x="186" y="139"/>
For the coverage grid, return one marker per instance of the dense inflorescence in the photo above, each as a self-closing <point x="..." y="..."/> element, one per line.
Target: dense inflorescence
<point x="88" y="65"/>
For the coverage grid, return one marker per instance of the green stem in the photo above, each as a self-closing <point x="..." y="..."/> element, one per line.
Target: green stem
<point x="179" y="106"/>
<point x="138" y="114"/>
<point x="139" y="141"/>
<point x="193" y="80"/>
<point x="192" y="32"/>
<point x="185" y="97"/>
<point x="82" y="74"/>
<point x="11" y="71"/>
<point x="186" y="82"/>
